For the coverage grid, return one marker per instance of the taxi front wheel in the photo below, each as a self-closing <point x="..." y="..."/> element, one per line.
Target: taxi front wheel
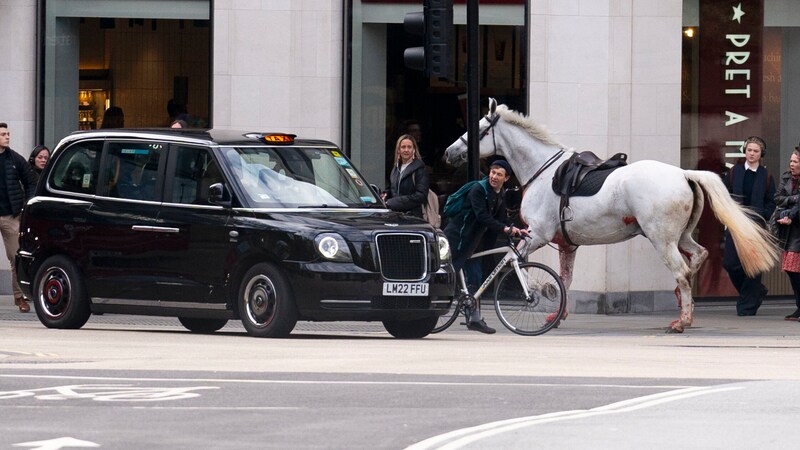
<point x="266" y="302"/>
<point x="410" y="329"/>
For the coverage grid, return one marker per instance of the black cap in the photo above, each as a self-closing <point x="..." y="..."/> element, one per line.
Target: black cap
<point x="504" y="164"/>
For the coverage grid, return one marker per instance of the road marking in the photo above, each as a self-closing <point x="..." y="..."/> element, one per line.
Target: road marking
<point x="345" y="382"/>
<point x="106" y="393"/>
<point x="460" y="438"/>
<point x="219" y="408"/>
<point x="55" y="444"/>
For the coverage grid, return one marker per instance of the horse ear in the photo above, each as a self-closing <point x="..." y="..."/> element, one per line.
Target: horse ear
<point x="492" y="106"/>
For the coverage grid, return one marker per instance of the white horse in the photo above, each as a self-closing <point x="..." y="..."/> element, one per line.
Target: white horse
<point x="648" y="198"/>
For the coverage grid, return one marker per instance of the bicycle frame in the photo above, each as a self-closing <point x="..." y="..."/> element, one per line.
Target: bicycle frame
<point x="512" y="256"/>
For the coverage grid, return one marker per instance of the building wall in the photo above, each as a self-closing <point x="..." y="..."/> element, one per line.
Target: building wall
<point x="18" y="72"/>
<point x="278" y="66"/>
<point x="607" y="79"/>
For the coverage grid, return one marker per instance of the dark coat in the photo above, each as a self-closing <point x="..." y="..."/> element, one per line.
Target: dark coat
<point x="481" y="224"/>
<point x="19" y="176"/>
<point x="762" y="199"/>
<point x="407" y="193"/>
<point x="786" y="199"/>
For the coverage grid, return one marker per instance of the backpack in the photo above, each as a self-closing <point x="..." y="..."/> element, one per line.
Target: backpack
<point x="455" y="202"/>
<point x="430" y="209"/>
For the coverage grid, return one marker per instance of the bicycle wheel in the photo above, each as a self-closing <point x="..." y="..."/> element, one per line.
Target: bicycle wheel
<point x="539" y="313"/>
<point x="449" y="317"/>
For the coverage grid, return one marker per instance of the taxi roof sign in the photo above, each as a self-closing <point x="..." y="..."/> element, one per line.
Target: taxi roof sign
<point x="278" y="138"/>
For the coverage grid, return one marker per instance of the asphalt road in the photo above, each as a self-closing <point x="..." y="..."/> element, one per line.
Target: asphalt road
<point x="618" y="382"/>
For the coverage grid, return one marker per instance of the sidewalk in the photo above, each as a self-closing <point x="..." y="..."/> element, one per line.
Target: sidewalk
<point x="715" y="319"/>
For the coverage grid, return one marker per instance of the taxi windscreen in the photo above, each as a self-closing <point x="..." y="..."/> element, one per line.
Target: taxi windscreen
<point x="292" y="177"/>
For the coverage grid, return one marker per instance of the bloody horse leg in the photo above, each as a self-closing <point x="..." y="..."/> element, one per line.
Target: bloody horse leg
<point x="566" y="258"/>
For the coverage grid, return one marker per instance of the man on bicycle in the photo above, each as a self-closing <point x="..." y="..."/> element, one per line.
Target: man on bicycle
<point x="483" y="217"/>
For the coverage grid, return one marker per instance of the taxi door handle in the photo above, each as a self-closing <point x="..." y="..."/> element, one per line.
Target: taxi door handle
<point x="155" y="229"/>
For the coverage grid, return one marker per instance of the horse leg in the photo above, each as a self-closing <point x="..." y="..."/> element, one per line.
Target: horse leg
<point x="566" y="259"/>
<point x="696" y="255"/>
<point x="683" y="273"/>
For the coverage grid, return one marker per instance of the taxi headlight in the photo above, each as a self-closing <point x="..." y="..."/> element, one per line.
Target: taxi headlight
<point x="444" y="248"/>
<point x="333" y="247"/>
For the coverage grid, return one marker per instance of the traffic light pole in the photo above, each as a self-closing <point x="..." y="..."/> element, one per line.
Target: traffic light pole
<point x="473" y="90"/>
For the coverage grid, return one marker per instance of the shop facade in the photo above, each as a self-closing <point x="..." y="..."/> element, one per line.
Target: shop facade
<point x="610" y="76"/>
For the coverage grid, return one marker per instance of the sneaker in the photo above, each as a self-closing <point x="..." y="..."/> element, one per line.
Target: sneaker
<point x="793" y="316"/>
<point x="480" y="325"/>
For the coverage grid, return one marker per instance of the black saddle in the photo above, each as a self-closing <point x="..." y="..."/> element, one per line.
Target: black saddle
<point x="582" y="175"/>
<point x="574" y="172"/>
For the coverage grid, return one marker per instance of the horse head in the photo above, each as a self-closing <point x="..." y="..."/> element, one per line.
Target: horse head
<point x="457" y="153"/>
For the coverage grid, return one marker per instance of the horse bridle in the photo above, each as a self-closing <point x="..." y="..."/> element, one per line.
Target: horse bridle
<point x="485" y="131"/>
<point x="492" y="123"/>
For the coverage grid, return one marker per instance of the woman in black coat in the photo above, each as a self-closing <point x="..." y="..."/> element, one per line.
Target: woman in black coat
<point x="409" y="181"/>
<point x="786" y="198"/>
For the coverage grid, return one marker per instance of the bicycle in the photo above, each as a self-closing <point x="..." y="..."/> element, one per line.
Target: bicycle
<point x="529" y="298"/>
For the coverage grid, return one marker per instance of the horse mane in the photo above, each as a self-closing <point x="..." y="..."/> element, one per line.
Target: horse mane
<point x="526" y="123"/>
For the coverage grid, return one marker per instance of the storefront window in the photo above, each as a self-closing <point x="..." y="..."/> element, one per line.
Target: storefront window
<point x="741" y="61"/>
<point x="387" y="100"/>
<point x="100" y="55"/>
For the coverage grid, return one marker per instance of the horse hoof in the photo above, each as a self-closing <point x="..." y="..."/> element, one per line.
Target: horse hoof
<point x="675" y="327"/>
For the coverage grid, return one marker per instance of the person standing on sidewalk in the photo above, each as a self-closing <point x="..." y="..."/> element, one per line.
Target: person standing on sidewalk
<point x="752" y="186"/>
<point x="787" y="198"/>
<point x="17" y="186"/>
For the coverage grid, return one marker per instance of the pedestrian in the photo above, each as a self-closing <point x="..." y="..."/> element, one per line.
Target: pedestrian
<point x="408" y="181"/>
<point x="38" y="159"/>
<point x="113" y="118"/>
<point x="751" y="185"/>
<point x="479" y="226"/>
<point x="786" y="200"/>
<point x="17" y="186"/>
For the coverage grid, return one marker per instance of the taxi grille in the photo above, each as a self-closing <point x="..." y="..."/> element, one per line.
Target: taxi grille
<point x="402" y="256"/>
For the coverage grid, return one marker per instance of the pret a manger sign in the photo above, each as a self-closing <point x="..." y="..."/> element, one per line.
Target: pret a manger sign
<point x="730" y="92"/>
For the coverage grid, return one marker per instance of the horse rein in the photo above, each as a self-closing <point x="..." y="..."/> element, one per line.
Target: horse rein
<point x="544" y="167"/>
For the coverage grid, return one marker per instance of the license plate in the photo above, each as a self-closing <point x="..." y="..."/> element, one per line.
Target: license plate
<point x="417" y="289"/>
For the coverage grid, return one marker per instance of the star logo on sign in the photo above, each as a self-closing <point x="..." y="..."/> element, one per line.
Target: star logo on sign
<point x="738" y="13"/>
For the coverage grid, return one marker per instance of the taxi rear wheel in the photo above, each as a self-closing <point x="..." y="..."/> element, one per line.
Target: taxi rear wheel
<point x="266" y="302"/>
<point x="60" y="296"/>
<point x="202" y="325"/>
<point x="410" y="329"/>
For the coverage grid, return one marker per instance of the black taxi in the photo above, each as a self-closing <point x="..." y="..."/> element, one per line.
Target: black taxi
<point x="212" y="225"/>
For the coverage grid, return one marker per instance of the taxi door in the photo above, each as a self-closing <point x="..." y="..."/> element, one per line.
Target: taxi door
<point x="196" y="254"/>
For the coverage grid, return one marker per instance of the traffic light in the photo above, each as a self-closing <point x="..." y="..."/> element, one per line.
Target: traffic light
<point x="435" y="25"/>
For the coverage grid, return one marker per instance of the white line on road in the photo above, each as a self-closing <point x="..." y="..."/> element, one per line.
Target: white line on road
<point x="343" y="382"/>
<point x="460" y="438"/>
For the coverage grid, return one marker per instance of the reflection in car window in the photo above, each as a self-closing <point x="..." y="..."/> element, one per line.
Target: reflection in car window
<point x="195" y="172"/>
<point x="132" y="170"/>
<point x="297" y="177"/>
<point x="76" y="168"/>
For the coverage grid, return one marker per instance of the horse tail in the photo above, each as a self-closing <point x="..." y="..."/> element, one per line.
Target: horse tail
<point x="757" y="248"/>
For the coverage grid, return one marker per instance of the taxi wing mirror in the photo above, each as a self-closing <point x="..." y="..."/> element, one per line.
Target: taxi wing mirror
<point x="218" y="195"/>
